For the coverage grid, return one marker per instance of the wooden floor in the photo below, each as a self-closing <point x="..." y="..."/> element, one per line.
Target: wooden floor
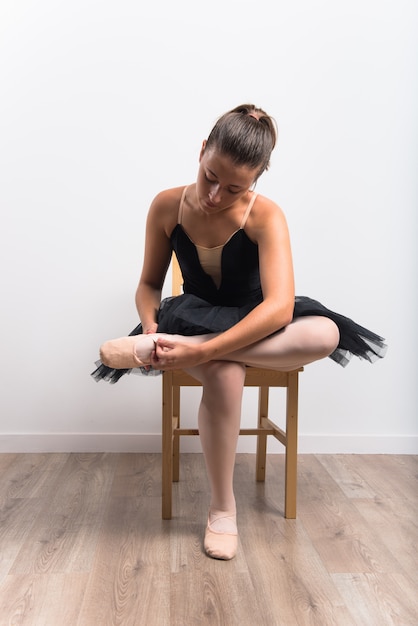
<point x="82" y="543"/>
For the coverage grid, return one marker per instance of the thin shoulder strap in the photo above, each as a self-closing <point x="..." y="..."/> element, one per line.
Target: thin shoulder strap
<point x="180" y="215"/>
<point x="247" y="212"/>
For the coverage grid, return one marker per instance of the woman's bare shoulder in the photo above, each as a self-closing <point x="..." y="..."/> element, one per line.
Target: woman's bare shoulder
<point x="170" y="195"/>
<point x="165" y="207"/>
<point x="167" y="199"/>
<point x="265" y="204"/>
<point x="266" y="212"/>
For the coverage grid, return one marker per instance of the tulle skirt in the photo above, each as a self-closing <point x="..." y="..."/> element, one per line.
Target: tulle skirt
<point x="189" y="315"/>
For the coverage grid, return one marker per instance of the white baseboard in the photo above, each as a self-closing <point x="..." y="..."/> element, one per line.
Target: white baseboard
<point x="134" y="442"/>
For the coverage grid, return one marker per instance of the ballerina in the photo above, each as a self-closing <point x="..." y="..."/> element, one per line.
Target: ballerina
<point x="238" y="307"/>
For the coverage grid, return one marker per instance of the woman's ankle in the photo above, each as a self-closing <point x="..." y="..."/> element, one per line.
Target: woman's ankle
<point x="223" y="520"/>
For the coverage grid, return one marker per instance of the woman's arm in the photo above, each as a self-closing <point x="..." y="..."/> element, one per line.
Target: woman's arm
<point x="266" y="226"/>
<point x="161" y="219"/>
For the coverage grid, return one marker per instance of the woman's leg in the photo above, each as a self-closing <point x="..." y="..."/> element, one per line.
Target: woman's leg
<point x="305" y="340"/>
<point x="219" y="423"/>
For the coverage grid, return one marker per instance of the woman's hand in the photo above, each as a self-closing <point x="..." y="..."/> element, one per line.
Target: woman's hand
<point x="152" y="328"/>
<point x="172" y="355"/>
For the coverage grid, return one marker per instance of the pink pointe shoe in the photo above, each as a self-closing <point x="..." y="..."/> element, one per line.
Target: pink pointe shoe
<point x="221" y="537"/>
<point x="127" y="352"/>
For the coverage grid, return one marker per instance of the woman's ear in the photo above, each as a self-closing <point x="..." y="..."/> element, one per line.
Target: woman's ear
<point x="202" y="150"/>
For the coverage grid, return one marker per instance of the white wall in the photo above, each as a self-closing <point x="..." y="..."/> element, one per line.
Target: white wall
<point x="102" y="104"/>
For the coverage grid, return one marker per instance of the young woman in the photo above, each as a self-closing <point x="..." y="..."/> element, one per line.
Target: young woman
<point x="238" y="307"/>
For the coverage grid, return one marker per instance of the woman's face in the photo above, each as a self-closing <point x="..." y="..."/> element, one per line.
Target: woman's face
<point x="221" y="182"/>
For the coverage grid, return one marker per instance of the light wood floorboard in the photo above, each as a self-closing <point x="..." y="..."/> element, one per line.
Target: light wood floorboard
<point x="82" y="543"/>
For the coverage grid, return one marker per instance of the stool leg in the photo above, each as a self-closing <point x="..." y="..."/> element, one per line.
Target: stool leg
<point x="263" y="405"/>
<point x="167" y="445"/>
<point x="291" y="446"/>
<point x="176" y="439"/>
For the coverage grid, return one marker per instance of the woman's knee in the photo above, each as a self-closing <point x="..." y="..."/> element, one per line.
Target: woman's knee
<point x="328" y="336"/>
<point x="220" y="374"/>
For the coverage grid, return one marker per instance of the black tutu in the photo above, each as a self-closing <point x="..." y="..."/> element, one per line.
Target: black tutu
<point x="190" y="315"/>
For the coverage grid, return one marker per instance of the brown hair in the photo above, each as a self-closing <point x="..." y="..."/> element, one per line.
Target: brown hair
<point x="247" y="134"/>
